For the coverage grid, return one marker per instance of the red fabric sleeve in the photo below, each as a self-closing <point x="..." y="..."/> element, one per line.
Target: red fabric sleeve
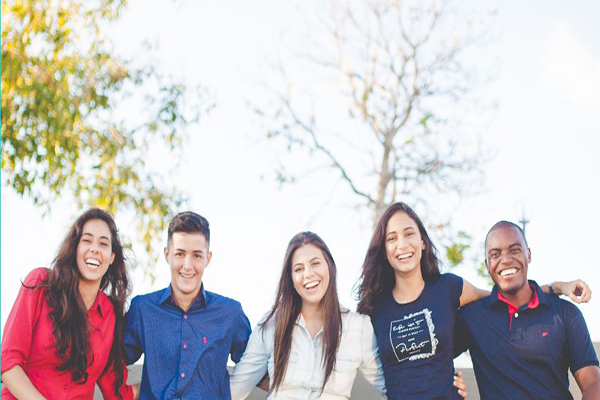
<point x="106" y="383"/>
<point x="18" y="330"/>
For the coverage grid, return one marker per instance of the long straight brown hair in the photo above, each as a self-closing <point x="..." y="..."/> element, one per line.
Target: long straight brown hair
<point x="377" y="275"/>
<point x="69" y="314"/>
<point x="287" y="306"/>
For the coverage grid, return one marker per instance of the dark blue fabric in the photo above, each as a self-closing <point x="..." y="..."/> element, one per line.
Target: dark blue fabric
<point x="416" y="341"/>
<point x="196" y="344"/>
<point x="530" y="360"/>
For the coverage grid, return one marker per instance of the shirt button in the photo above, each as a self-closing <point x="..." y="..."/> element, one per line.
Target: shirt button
<point x="183" y="375"/>
<point x="185" y="346"/>
<point x="516" y="315"/>
<point x="65" y="387"/>
<point x="184" y="316"/>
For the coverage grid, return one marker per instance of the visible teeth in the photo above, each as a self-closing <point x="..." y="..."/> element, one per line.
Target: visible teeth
<point x="90" y="261"/>
<point x="404" y="256"/>
<point x="509" y="271"/>
<point x="311" y="284"/>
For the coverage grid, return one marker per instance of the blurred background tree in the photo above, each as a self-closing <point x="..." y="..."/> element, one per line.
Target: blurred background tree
<point x="400" y="74"/>
<point x="79" y="122"/>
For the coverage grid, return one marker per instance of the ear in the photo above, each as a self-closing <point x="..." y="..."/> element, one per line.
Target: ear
<point x="112" y="258"/>
<point x="528" y="255"/>
<point x="166" y="251"/>
<point x="422" y="245"/>
<point x="208" y="258"/>
<point x="487" y="266"/>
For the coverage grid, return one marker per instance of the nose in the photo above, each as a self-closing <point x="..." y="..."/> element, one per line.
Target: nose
<point x="93" y="248"/>
<point x="187" y="262"/>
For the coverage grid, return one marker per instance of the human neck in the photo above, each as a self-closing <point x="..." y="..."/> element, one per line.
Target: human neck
<point x="313" y="317"/>
<point x="88" y="292"/>
<point x="184" y="301"/>
<point x="408" y="286"/>
<point x="521" y="297"/>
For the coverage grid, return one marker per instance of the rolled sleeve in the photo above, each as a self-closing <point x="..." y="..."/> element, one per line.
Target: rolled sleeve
<point x="18" y="330"/>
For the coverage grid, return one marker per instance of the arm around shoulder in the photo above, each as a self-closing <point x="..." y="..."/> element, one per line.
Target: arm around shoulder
<point x="471" y="293"/>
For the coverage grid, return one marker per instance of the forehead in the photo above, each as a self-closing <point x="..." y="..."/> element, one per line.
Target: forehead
<point x="306" y="253"/>
<point x="96" y="227"/>
<point x="189" y="241"/>
<point x="400" y="221"/>
<point x="504" y="236"/>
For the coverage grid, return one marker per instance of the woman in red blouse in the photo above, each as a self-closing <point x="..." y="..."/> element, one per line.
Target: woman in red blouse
<point x="64" y="332"/>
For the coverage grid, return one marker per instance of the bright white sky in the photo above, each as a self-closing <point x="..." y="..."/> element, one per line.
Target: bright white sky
<point x="544" y="137"/>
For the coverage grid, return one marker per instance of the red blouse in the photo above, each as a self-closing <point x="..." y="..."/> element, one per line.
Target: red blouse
<point x="28" y="342"/>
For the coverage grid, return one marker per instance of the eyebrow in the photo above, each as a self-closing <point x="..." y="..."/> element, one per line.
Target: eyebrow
<point x="193" y="251"/>
<point x="311" y="260"/>
<point x="510" y="247"/>
<point x="405" y="229"/>
<point x="89" y="234"/>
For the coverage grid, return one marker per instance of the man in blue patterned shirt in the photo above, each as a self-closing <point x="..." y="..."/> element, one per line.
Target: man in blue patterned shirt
<point x="185" y="332"/>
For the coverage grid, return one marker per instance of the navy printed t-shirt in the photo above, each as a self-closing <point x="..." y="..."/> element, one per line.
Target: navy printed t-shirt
<point x="416" y="343"/>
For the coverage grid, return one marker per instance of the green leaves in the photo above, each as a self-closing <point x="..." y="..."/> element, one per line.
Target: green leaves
<point x="69" y="126"/>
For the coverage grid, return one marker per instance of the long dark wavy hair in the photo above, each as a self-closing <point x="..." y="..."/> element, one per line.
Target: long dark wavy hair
<point x="287" y="306"/>
<point x="377" y="275"/>
<point x="69" y="314"/>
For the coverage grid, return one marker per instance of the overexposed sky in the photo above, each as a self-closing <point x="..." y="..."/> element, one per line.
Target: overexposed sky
<point x="544" y="138"/>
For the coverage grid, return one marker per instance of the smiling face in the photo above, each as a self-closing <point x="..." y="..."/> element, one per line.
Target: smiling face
<point x="403" y="244"/>
<point x="507" y="259"/>
<point x="310" y="274"/>
<point x="188" y="256"/>
<point x="94" y="251"/>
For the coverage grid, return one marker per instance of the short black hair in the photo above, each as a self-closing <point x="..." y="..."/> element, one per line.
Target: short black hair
<point x="504" y="224"/>
<point x="189" y="222"/>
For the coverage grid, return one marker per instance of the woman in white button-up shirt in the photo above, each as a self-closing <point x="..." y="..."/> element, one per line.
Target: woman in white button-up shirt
<point x="307" y="344"/>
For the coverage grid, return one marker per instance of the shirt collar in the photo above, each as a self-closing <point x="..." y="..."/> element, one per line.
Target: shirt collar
<point x="102" y="302"/>
<point x="539" y="297"/>
<point x="167" y="296"/>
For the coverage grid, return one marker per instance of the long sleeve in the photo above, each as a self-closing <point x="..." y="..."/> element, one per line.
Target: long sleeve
<point x="253" y="365"/>
<point x="132" y="334"/>
<point x="370" y="365"/>
<point x="19" y="327"/>
<point x="241" y="333"/>
<point x="106" y="383"/>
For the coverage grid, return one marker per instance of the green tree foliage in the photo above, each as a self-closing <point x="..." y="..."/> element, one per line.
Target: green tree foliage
<point x="78" y="121"/>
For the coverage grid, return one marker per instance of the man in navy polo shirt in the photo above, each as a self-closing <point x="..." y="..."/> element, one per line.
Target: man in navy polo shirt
<point x="185" y="332"/>
<point x="523" y="341"/>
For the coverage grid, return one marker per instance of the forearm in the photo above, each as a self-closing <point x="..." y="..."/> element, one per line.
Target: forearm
<point x="19" y="385"/>
<point x="592" y="391"/>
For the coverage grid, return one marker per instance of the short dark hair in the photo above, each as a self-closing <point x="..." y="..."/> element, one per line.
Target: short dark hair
<point x="504" y="224"/>
<point x="189" y="222"/>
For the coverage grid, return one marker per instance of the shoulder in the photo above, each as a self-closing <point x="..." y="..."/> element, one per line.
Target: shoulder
<point x="449" y="278"/>
<point x="105" y="303"/>
<point x="217" y="300"/>
<point x="36" y="276"/>
<point x="143" y="300"/>
<point x="562" y="306"/>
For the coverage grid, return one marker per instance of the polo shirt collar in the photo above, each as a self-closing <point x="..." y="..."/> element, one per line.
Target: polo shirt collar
<point x="539" y="298"/>
<point x="167" y="296"/>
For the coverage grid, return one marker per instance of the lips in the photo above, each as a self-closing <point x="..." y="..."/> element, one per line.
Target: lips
<point x="92" y="262"/>
<point x="508" y="272"/>
<point x="404" y="256"/>
<point x="186" y="276"/>
<point x="312" y="285"/>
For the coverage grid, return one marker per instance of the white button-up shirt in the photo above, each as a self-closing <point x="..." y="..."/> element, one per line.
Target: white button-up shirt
<point x="304" y="374"/>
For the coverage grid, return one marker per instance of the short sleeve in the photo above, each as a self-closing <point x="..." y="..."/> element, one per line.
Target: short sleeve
<point x="455" y="287"/>
<point x="370" y="365"/>
<point x="133" y="332"/>
<point x="241" y="333"/>
<point x="106" y="383"/>
<point x="461" y="334"/>
<point x="18" y="330"/>
<point x="253" y="365"/>
<point x="580" y="350"/>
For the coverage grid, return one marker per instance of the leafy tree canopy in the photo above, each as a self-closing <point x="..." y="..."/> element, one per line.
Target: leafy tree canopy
<point x="78" y="121"/>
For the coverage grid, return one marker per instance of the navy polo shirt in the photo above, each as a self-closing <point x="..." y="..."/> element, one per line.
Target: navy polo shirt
<point x="525" y="354"/>
<point x="185" y="353"/>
